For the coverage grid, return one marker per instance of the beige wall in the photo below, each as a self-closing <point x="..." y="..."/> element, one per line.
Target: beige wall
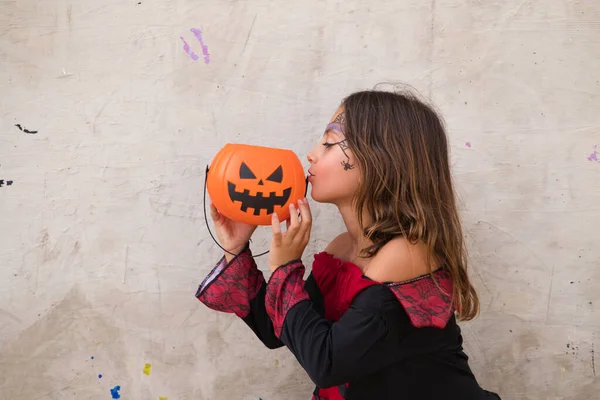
<point x="102" y="234"/>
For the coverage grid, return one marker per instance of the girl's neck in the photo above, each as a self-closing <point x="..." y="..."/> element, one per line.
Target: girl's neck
<point x="358" y="241"/>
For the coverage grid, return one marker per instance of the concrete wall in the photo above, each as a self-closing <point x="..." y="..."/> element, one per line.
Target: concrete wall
<point x="102" y="235"/>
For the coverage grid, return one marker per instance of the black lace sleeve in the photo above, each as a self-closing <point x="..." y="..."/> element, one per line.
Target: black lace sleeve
<point x="239" y="287"/>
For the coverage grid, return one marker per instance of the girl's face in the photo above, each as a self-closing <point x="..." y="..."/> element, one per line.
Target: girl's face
<point x="334" y="175"/>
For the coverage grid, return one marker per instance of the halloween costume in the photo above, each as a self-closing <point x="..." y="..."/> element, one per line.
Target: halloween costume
<point x="356" y="338"/>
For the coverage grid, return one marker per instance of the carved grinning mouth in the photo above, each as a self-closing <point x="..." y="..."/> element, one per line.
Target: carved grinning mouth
<point x="258" y="202"/>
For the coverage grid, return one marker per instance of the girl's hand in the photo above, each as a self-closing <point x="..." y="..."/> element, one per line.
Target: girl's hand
<point x="233" y="235"/>
<point x="290" y="245"/>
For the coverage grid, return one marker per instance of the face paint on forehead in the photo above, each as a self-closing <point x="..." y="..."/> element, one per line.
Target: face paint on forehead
<point x="340" y="119"/>
<point x="338" y="123"/>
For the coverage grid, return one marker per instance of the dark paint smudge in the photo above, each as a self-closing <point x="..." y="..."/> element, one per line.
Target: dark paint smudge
<point x="114" y="392"/>
<point x="25" y="130"/>
<point x="593" y="357"/>
<point x="100" y="376"/>
<point x="8" y="183"/>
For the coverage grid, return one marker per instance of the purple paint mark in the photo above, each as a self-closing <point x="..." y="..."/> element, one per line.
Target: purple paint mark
<point x="334" y="127"/>
<point x="594" y="155"/>
<point x="198" y="35"/>
<point x="468" y="144"/>
<point x="100" y="376"/>
<point x="186" y="48"/>
<point x="114" y="392"/>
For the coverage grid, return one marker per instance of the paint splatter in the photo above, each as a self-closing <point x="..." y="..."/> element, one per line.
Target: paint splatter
<point x="594" y="155"/>
<point x="468" y="144"/>
<point x="186" y="48"/>
<point x="276" y="362"/>
<point x="198" y="35"/>
<point x="114" y="392"/>
<point x="147" y="369"/>
<point x="162" y="398"/>
<point x="593" y="357"/>
<point x="99" y="376"/>
<point x="25" y="130"/>
<point x="8" y="183"/>
<point x="92" y="357"/>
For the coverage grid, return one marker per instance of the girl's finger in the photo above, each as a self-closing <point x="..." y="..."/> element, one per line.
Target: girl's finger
<point x="214" y="213"/>
<point x="306" y="217"/>
<point x="276" y="230"/>
<point x="294" y="222"/>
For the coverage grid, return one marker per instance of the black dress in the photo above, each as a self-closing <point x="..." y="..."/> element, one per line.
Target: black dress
<point x="356" y="338"/>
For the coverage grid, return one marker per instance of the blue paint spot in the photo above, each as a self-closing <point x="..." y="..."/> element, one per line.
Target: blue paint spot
<point x="92" y="357"/>
<point x="114" y="392"/>
<point x="100" y="376"/>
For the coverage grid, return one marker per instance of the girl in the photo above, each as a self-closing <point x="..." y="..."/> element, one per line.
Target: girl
<point x="377" y="316"/>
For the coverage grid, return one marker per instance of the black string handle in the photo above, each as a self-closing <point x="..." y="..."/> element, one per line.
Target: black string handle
<point x="208" y="227"/>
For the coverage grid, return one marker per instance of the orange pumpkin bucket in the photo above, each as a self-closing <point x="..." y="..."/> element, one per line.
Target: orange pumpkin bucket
<point x="248" y="183"/>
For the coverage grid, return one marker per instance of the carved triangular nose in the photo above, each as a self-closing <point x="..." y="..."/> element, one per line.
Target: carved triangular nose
<point x="261" y="183"/>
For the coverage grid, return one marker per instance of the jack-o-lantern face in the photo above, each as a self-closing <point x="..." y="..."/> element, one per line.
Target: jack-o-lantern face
<point x="249" y="183"/>
<point x="260" y="201"/>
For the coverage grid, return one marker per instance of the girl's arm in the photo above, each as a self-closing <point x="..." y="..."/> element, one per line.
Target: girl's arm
<point x="239" y="287"/>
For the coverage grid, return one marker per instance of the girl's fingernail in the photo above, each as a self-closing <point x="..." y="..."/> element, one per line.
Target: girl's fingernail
<point x="300" y="201"/>
<point x="274" y="216"/>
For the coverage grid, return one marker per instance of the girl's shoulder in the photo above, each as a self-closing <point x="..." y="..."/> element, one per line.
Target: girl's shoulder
<point x="399" y="261"/>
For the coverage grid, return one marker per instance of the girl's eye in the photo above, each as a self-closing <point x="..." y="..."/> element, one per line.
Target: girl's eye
<point x="328" y="145"/>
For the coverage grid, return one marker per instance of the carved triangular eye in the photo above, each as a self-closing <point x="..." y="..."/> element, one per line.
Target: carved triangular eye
<point x="245" y="172"/>
<point x="277" y="175"/>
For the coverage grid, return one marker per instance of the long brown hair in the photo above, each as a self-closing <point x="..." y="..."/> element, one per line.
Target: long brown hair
<point x="406" y="189"/>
